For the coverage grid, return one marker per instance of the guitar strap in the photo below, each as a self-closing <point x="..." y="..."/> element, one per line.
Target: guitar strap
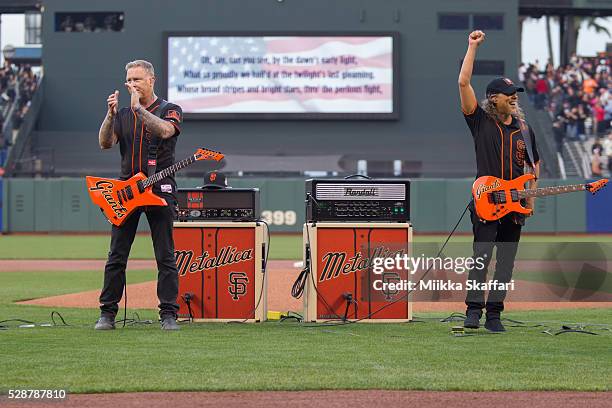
<point x="527" y="139"/>
<point x="152" y="154"/>
<point x="520" y="219"/>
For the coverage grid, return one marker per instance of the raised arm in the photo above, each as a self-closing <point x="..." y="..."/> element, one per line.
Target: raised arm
<point x="106" y="136"/>
<point x="157" y="126"/>
<point x="466" y="92"/>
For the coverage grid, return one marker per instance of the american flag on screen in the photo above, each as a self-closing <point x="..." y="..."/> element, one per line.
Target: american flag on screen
<point x="281" y="74"/>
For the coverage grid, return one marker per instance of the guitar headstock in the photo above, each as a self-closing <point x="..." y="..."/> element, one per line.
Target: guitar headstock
<point x="206" y="154"/>
<point x="596" y="185"/>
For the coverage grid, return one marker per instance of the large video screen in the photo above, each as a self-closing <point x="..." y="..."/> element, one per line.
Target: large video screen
<point x="306" y="76"/>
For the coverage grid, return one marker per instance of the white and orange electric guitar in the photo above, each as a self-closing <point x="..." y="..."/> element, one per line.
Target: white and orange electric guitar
<point x="494" y="197"/>
<point x="118" y="199"/>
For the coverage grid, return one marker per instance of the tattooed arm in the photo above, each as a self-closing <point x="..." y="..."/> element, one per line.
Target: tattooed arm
<point x="157" y="127"/>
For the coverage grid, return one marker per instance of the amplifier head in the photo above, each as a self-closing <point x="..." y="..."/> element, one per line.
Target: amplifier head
<point x="229" y="204"/>
<point x="358" y="200"/>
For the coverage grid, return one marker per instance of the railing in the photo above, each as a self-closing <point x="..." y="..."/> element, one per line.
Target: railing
<point x="561" y="166"/>
<point x="15" y="162"/>
<point x="542" y="126"/>
<point x="6" y="135"/>
<point x="574" y="158"/>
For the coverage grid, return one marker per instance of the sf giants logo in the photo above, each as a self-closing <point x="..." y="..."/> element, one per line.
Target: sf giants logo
<point x="238" y="287"/>
<point x="520" y="152"/>
<point x="172" y="114"/>
<point x="390" y="277"/>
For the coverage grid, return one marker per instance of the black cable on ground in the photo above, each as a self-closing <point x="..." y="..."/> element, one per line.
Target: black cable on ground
<point x="17" y="320"/>
<point x="60" y="316"/>
<point x="297" y="290"/>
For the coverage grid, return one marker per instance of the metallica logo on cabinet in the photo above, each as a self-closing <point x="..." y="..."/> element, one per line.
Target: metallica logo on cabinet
<point x="220" y="268"/>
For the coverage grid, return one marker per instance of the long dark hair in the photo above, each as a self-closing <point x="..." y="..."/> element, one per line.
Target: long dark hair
<point x="489" y="107"/>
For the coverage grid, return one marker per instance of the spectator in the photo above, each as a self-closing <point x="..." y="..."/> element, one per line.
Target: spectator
<point x="589" y="85"/>
<point x="559" y="132"/>
<point x="17" y="86"/>
<point x="571" y="118"/>
<point x="578" y="98"/>
<point x="607" y="151"/>
<point x="599" y="114"/>
<point x="603" y="66"/>
<point x="89" y="24"/>
<point x="67" y="24"/>
<point x="541" y="88"/>
<point x="521" y="72"/>
<point x="596" y="161"/>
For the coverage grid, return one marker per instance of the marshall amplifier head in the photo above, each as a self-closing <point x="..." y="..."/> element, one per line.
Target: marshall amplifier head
<point x="226" y="204"/>
<point x="358" y="200"/>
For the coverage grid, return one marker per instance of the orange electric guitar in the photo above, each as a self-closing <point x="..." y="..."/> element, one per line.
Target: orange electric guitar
<point x="118" y="199"/>
<point x="494" y="197"/>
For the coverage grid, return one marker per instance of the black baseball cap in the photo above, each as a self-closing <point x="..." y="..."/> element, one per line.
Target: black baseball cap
<point x="214" y="179"/>
<point x="504" y="86"/>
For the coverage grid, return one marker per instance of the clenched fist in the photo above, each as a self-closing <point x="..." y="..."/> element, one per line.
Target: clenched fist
<point x="476" y="37"/>
<point x="112" y="101"/>
<point x="134" y="96"/>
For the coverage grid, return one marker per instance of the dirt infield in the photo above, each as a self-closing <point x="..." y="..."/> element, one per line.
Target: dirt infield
<point x="330" y="399"/>
<point x="281" y="275"/>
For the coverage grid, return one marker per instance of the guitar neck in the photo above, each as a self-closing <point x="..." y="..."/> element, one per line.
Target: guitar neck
<point x="168" y="171"/>
<point x="546" y="191"/>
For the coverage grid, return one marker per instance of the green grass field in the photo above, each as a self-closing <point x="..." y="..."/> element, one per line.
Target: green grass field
<point x="282" y="246"/>
<point x="287" y="356"/>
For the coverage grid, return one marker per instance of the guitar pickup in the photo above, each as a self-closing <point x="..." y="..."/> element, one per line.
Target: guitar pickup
<point x="514" y="196"/>
<point x="497" y="197"/>
<point x="129" y="192"/>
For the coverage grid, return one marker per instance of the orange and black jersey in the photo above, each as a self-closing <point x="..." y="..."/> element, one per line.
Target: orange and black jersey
<point x="134" y="140"/>
<point x="500" y="149"/>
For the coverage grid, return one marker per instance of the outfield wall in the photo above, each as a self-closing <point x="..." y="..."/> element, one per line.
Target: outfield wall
<point x="62" y="205"/>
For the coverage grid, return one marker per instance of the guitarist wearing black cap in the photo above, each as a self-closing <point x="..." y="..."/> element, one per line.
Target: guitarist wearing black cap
<point x="499" y="131"/>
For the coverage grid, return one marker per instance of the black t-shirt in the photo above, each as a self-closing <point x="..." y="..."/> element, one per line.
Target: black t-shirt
<point x="134" y="141"/>
<point x="500" y="149"/>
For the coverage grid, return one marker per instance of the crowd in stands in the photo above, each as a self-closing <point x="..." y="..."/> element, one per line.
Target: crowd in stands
<point x="17" y="87"/>
<point x="578" y="97"/>
<point x="91" y="22"/>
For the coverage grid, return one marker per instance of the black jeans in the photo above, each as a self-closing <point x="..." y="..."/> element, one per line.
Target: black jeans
<point x="160" y="220"/>
<point x="505" y="234"/>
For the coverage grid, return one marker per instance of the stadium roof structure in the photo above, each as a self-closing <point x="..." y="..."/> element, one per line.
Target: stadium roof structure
<point x="538" y="8"/>
<point x="19" y="6"/>
<point x="25" y="55"/>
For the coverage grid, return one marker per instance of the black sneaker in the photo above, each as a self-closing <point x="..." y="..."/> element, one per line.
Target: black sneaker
<point x="494" y="325"/>
<point x="169" y="323"/>
<point x="472" y="320"/>
<point x="105" y="323"/>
